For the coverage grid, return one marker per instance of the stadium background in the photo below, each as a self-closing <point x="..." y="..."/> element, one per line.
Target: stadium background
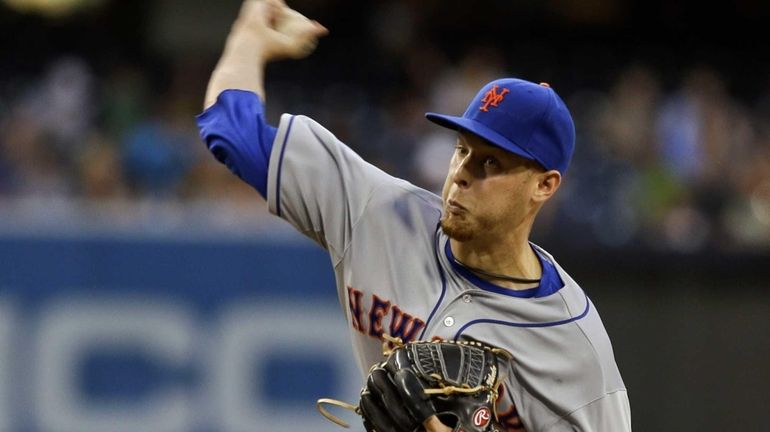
<point x="143" y="288"/>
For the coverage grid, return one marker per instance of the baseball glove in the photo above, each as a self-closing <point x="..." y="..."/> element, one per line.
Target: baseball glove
<point x="454" y="380"/>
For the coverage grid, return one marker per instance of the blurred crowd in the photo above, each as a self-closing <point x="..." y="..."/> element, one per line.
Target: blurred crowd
<point x="683" y="167"/>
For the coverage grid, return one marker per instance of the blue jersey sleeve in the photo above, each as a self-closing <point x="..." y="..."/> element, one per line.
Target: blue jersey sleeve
<point x="237" y="134"/>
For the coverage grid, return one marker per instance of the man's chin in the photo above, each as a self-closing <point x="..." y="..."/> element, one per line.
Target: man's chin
<point x="456" y="230"/>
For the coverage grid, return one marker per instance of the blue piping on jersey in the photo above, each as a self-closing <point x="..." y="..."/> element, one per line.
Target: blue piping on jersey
<point x="443" y="285"/>
<point x="525" y="325"/>
<point x="280" y="165"/>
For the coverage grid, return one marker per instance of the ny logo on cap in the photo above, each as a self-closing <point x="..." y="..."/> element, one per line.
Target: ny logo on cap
<point x="492" y="98"/>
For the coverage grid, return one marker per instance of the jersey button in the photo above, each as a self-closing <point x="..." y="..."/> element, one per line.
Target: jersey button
<point x="467" y="298"/>
<point x="449" y="321"/>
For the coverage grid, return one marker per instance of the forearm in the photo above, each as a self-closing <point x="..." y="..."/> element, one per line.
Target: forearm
<point x="242" y="65"/>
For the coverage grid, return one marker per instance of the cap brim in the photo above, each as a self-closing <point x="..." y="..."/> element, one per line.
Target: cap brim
<point x="476" y="128"/>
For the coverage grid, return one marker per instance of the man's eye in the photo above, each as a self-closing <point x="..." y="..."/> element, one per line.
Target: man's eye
<point x="490" y="162"/>
<point x="461" y="150"/>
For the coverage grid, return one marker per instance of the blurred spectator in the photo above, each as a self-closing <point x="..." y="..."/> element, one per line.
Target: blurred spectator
<point x="100" y="173"/>
<point x="456" y="86"/>
<point x="156" y="153"/>
<point x="45" y="129"/>
<point x="34" y="165"/>
<point x="160" y="149"/>
<point x="703" y="133"/>
<point x="615" y="157"/>
<point x="125" y="98"/>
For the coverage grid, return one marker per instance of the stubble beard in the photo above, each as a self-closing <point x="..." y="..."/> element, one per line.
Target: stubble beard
<point x="458" y="228"/>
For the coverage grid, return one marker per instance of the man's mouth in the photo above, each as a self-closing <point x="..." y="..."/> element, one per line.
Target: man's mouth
<point x="453" y="206"/>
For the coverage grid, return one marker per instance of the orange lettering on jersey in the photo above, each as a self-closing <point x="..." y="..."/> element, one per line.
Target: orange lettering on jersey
<point x="492" y="98"/>
<point x="404" y="326"/>
<point x="379" y="309"/>
<point x="356" y="310"/>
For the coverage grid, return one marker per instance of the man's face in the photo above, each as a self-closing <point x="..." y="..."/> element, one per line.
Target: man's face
<point x="488" y="191"/>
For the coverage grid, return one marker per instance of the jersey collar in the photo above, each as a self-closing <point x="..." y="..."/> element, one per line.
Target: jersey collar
<point x="550" y="281"/>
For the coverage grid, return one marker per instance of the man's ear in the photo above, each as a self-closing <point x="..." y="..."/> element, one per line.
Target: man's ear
<point x="547" y="185"/>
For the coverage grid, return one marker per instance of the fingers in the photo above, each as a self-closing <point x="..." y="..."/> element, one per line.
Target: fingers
<point x="380" y="382"/>
<point x="399" y="360"/>
<point x="413" y="394"/>
<point x="319" y="30"/>
<point x="409" y="386"/>
<point x="375" y="416"/>
<point x="296" y="35"/>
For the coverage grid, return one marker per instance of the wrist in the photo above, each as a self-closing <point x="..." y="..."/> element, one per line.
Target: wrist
<point x="242" y="27"/>
<point x="245" y="42"/>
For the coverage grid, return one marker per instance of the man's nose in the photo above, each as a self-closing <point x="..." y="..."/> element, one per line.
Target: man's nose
<point x="461" y="175"/>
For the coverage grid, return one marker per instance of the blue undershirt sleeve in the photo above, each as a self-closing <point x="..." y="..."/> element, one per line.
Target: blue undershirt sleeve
<point x="237" y="134"/>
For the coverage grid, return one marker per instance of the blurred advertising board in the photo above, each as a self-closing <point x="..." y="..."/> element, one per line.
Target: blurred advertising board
<point x="128" y="333"/>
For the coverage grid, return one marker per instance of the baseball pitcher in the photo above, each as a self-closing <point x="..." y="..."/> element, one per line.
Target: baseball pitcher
<point x="469" y="311"/>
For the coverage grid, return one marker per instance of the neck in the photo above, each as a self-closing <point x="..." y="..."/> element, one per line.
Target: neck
<point x="512" y="256"/>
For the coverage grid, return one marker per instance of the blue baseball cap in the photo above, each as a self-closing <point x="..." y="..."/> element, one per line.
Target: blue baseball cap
<point x="527" y="119"/>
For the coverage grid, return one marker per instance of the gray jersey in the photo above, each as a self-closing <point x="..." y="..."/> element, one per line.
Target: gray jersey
<point x="394" y="276"/>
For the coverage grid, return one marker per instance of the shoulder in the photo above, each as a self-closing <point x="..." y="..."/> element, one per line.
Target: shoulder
<point x="400" y="206"/>
<point x="293" y="126"/>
